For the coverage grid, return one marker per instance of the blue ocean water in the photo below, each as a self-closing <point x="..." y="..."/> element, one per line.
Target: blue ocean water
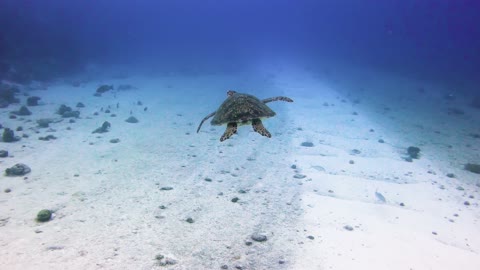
<point x="427" y="39"/>
<point x="374" y="165"/>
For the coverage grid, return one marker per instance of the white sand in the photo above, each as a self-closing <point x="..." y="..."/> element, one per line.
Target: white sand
<point x="109" y="217"/>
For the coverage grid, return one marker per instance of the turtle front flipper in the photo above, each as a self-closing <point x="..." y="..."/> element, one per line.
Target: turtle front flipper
<point x="204" y="119"/>
<point x="231" y="129"/>
<point x="287" y="99"/>
<point x="258" y="127"/>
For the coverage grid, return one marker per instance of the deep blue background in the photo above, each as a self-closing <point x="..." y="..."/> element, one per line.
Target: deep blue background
<point x="432" y="39"/>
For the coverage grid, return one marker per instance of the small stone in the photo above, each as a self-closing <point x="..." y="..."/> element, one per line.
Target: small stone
<point x="402" y="204"/>
<point x="381" y="141"/>
<point x="103" y="88"/>
<point x="3" y="153"/>
<point x="18" y="169"/>
<point x="474" y="168"/>
<point x="4" y="221"/>
<point x="104" y="128"/>
<point x="475" y="135"/>
<point x="351" y="162"/>
<point x="348" y="228"/>
<point x="7" y="190"/>
<point x="47" y="138"/>
<point x="190" y="220"/>
<point x="467" y="203"/>
<point x="55" y="248"/>
<point x="413" y="152"/>
<point x="166" y="188"/>
<point x="23" y="111"/>
<point x="224" y="266"/>
<point x="281" y="262"/>
<point x="80" y="105"/>
<point x="131" y="119"/>
<point x="434" y="233"/>
<point x="208" y="179"/>
<point x="159" y="257"/>
<point x="450" y="175"/>
<point x="44" y="215"/>
<point x="235" y="199"/>
<point x="299" y="176"/>
<point x="248" y="243"/>
<point x="116" y="140"/>
<point x="71" y="114"/>
<point x="355" y="152"/>
<point x="460" y="188"/>
<point x="33" y="101"/>
<point x="44" y="122"/>
<point x="259" y="237"/>
<point x="293" y="166"/>
<point x="9" y="136"/>
<point x="310" y="237"/>
<point x="307" y="144"/>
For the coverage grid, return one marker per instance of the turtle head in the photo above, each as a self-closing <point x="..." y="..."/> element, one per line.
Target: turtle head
<point x="230" y="93"/>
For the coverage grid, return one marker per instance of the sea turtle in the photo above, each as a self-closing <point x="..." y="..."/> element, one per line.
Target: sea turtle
<point x="241" y="109"/>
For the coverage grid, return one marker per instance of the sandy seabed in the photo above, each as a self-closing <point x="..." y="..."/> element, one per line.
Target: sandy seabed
<point x="319" y="206"/>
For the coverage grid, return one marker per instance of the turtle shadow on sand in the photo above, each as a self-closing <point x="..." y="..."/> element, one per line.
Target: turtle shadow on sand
<point x="241" y="109"/>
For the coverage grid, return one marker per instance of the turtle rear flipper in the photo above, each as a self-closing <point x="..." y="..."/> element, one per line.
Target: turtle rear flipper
<point x="287" y="99"/>
<point x="231" y="129"/>
<point x="204" y="119"/>
<point x="258" y="127"/>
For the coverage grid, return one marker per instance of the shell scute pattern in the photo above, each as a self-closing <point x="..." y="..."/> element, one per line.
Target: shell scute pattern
<point x="241" y="108"/>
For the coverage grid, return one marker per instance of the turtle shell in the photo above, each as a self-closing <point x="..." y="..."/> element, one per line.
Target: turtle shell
<point x="241" y="108"/>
